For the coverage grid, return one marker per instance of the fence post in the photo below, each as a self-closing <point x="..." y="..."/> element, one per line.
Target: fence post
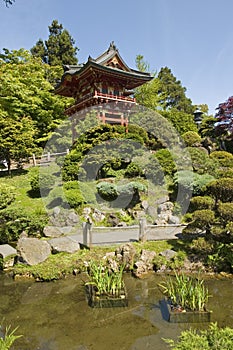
<point x="87" y="232"/>
<point x="142" y="230"/>
<point x="48" y="157"/>
<point x="34" y="159"/>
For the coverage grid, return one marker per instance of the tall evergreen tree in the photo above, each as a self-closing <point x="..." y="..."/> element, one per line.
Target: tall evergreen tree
<point x="59" y="49"/>
<point x="8" y="2"/>
<point x="172" y="94"/>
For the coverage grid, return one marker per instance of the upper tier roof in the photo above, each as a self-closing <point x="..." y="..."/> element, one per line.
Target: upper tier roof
<point x="109" y="62"/>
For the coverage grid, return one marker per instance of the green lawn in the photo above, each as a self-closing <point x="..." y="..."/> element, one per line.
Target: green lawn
<point x="19" y="179"/>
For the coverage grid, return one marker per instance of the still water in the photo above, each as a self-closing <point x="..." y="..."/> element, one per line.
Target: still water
<point x="55" y="315"/>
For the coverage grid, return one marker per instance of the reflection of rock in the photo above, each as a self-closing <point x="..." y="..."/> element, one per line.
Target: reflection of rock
<point x="33" y="251"/>
<point x="8" y="255"/>
<point x="36" y="292"/>
<point x="63" y="244"/>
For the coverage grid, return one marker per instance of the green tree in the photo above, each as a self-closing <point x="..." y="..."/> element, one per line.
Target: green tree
<point x="147" y="94"/>
<point x="59" y="49"/>
<point x="16" y="138"/>
<point x="25" y="92"/>
<point x="171" y="93"/>
<point x="8" y="2"/>
<point x="182" y="121"/>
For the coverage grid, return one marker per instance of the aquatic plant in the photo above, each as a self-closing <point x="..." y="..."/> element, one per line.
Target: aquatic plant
<point x="9" y="338"/>
<point x="185" y="292"/>
<point x="106" y="281"/>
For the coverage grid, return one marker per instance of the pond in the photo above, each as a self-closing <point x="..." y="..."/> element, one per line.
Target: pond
<point x="55" y="315"/>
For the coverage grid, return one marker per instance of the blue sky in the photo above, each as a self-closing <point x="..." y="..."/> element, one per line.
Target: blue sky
<point x="192" y="37"/>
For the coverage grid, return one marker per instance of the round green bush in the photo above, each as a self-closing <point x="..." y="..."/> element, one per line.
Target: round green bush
<point x="107" y="191"/>
<point x="225" y="211"/>
<point x="224" y="158"/>
<point x="191" y="138"/>
<point x="221" y="189"/>
<point x="41" y="182"/>
<point x="199" y="202"/>
<point x="203" y="218"/>
<point x="133" y="170"/>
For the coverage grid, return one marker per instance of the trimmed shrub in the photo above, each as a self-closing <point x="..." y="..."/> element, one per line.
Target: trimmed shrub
<point x="225" y="211"/>
<point x="192" y="181"/>
<point x="40" y="182"/>
<point x="221" y="189"/>
<point x="74" y="197"/>
<point x="73" y="194"/>
<point x="7" y="195"/>
<point x="166" y="161"/>
<point x="107" y="191"/>
<point x="203" y="218"/>
<point x="133" y="170"/>
<point x="14" y="221"/>
<point x="191" y="138"/>
<point x="201" y="161"/>
<point x="199" y="202"/>
<point x="224" y="158"/>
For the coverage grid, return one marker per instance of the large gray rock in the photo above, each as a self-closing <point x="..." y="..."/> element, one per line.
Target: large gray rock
<point x="168" y="254"/>
<point x="33" y="251"/>
<point x="52" y="231"/>
<point x="63" y="244"/>
<point x="145" y="263"/>
<point x="8" y="255"/>
<point x="61" y="217"/>
<point x="125" y="254"/>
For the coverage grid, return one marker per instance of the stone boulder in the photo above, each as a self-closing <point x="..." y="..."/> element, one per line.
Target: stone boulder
<point x="145" y="263"/>
<point x="63" y="244"/>
<point x="55" y="231"/>
<point x="164" y="213"/>
<point x="32" y="251"/>
<point x="168" y="254"/>
<point x="126" y="254"/>
<point x="8" y="255"/>
<point x="52" y="231"/>
<point x="61" y="217"/>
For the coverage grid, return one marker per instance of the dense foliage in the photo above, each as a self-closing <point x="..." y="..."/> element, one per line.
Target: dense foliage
<point x="213" y="338"/>
<point x="29" y="112"/>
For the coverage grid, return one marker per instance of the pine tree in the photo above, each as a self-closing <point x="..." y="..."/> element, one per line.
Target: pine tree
<point x="59" y="49"/>
<point x="172" y="94"/>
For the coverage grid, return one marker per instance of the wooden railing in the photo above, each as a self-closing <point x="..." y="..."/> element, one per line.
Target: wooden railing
<point x="46" y="158"/>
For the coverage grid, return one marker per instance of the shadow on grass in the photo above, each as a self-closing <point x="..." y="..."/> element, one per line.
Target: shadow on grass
<point x="13" y="173"/>
<point x="33" y="194"/>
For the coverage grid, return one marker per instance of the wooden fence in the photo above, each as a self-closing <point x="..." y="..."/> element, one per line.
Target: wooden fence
<point x="46" y="158"/>
<point x="92" y="235"/>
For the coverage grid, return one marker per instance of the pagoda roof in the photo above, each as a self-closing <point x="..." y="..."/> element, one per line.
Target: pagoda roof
<point x="109" y="62"/>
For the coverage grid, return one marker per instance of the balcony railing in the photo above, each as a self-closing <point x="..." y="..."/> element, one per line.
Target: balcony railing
<point x="96" y="95"/>
<point x="114" y="97"/>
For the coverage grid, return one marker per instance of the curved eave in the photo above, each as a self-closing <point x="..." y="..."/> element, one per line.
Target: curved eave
<point x="135" y="78"/>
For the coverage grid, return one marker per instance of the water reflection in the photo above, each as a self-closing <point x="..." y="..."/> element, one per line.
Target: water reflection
<point x="55" y="316"/>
